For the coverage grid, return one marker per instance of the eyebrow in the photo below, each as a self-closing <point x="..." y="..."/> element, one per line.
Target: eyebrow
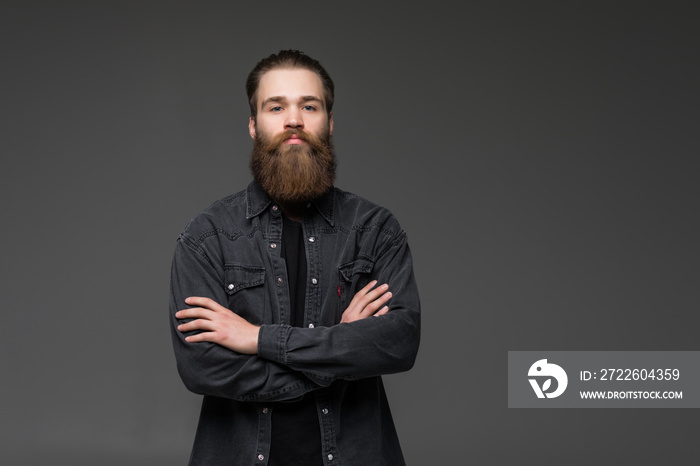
<point x="282" y="99"/>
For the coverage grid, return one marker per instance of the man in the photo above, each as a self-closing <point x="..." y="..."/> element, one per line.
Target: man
<point x="280" y="310"/>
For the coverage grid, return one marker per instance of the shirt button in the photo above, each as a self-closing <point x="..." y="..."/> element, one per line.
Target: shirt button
<point x="264" y="410"/>
<point x="311" y="325"/>
<point x="231" y="286"/>
<point x="311" y="239"/>
<point x="330" y="457"/>
<point x="279" y="280"/>
<point x="273" y="245"/>
<point x="308" y="205"/>
<point x="261" y="457"/>
<point x="274" y="207"/>
<point x="324" y="410"/>
<point x="313" y="280"/>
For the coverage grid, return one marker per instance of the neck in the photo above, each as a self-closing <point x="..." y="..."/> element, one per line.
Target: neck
<point x="293" y="210"/>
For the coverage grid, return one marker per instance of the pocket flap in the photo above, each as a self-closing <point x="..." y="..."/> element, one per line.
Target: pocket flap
<point x="239" y="277"/>
<point x="359" y="265"/>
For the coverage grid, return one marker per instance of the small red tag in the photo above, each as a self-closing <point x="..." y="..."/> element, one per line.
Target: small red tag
<point x="338" y="290"/>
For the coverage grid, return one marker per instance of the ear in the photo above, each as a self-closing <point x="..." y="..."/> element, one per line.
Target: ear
<point x="330" y="123"/>
<point x="251" y="127"/>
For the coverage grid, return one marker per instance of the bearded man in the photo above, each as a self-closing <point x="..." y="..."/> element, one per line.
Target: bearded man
<point x="281" y="312"/>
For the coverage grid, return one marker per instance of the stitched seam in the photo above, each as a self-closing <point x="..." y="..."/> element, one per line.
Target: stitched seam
<point x="217" y="231"/>
<point x="189" y="243"/>
<point x="282" y="352"/>
<point x="370" y="226"/>
<point x="232" y="197"/>
<point x="260" y="396"/>
<point x="401" y="237"/>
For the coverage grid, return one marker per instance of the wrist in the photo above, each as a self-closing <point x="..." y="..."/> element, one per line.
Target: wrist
<point x="256" y="339"/>
<point x="252" y="338"/>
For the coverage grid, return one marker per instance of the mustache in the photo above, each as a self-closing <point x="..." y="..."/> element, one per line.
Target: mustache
<point x="275" y="142"/>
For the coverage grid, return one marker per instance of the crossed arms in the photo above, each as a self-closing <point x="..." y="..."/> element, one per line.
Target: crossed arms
<point x="223" y="354"/>
<point x="224" y="327"/>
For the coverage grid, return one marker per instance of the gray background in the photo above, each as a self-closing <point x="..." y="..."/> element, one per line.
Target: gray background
<point x="541" y="155"/>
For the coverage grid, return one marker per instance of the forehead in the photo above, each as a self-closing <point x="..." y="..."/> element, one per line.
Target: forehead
<point x="290" y="84"/>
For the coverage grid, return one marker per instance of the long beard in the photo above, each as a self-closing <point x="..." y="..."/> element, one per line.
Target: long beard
<point x="293" y="172"/>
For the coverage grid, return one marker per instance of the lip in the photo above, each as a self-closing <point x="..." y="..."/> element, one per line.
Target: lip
<point x="294" y="140"/>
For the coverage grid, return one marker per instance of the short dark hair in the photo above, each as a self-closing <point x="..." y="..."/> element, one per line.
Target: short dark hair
<point x="287" y="59"/>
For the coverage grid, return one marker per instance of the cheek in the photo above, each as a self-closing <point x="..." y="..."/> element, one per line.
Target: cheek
<point x="318" y="127"/>
<point x="268" y="126"/>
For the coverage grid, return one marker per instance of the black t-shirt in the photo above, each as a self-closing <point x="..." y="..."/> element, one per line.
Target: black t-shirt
<point x="296" y="433"/>
<point x="294" y="254"/>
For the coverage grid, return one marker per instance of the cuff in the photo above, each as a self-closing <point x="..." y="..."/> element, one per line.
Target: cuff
<point x="271" y="342"/>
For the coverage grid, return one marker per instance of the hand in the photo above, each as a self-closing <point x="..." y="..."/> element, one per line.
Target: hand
<point x="219" y="325"/>
<point x="367" y="302"/>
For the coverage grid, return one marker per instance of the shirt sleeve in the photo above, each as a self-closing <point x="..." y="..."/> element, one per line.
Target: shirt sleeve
<point x="364" y="348"/>
<point x="210" y="369"/>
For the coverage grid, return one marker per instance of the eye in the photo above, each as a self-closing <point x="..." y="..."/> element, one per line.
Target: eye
<point x="309" y="108"/>
<point x="276" y="109"/>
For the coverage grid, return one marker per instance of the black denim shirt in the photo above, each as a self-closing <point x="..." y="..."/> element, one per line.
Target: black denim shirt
<point x="231" y="253"/>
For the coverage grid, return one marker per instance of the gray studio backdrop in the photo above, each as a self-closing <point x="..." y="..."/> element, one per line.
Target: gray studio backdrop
<point x="541" y="156"/>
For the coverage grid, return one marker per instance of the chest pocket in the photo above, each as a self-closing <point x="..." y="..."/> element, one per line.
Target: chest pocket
<point x="352" y="277"/>
<point x="246" y="292"/>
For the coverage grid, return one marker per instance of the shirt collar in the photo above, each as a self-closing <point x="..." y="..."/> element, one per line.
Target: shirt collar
<point x="257" y="200"/>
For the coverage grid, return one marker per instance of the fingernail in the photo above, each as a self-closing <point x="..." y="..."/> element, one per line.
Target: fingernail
<point x="385" y="286"/>
<point x="388" y="295"/>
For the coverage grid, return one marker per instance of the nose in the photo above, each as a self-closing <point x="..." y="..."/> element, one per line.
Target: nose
<point x="294" y="120"/>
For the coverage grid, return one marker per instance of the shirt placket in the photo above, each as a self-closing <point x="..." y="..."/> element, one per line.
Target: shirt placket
<point x="325" y="418"/>
<point x="279" y="269"/>
<point x="314" y="276"/>
<point x="264" y="434"/>
<point x="314" y="285"/>
<point x="278" y="276"/>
